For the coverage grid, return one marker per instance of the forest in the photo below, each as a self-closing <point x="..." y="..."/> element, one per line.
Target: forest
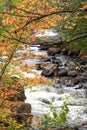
<point x="33" y="63"/>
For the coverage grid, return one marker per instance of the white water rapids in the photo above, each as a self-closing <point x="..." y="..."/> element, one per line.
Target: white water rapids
<point x="40" y="96"/>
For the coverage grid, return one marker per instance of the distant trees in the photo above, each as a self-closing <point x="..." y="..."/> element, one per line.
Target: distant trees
<point x="73" y="25"/>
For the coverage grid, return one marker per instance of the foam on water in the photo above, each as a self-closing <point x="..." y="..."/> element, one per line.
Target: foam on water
<point x="47" y="33"/>
<point x="40" y="96"/>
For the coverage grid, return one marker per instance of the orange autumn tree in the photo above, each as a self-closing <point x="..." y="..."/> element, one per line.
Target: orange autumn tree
<point x="17" y="21"/>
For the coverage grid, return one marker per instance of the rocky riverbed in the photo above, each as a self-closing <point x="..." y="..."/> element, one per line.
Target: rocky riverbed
<point x="70" y="71"/>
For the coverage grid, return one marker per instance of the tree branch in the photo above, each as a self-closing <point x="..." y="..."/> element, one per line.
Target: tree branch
<point x="77" y="38"/>
<point x="45" y="15"/>
<point x="14" y="39"/>
<point x="7" y="63"/>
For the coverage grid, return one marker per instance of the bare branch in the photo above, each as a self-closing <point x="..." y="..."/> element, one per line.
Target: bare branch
<point x="78" y="37"/>
<point x="7" y="63"/>
<point x="43" y="16"/>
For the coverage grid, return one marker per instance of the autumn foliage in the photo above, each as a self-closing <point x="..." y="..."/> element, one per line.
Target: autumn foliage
<point x="19" y="20"/>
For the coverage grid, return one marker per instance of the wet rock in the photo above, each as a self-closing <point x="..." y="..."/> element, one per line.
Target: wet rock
<point x="83" y="59"/>
<point x="64" y="51"/>
<point x="84" y="74"/>
<point x="84" y="67"/>
<point x="69" y="82"/>
<point x="63" y="127"/>
<point x="82" y="79"/>
<point x="46" y="59"/>
<point x="23" y="112"/>
<point x="57" y="85"/>
<point x="45" y="101"/>
<point x="63" y="80"/>
<point x="50" y="70"/>
<point x="72" y="73"/>
<point x="44" y="47"/>
<point x="62" y="72"/>
<point x="74" y="82"/>
<point x="83" y="127"/>
<point x="40" y="66"/>
<point x="70" y="64"/>
<point x="82" y="62"/>
<point x="85" y="85"/>
<point x="52" y="59"/>
<point x="53" y="51"/>
<point x="24" y="108"/>
<point x="79" y="86"/>
<point x="72" y="52"/>
<point x="57" y="61"/>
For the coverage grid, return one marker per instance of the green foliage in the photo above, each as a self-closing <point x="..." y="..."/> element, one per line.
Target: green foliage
<point x="74" y="24"/>
<point x="80" y="45"/>
<point x="57" y="119"/>
<point x="8" y="123"/>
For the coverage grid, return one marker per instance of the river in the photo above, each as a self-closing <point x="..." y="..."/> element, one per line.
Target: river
<point x="39" y="96"/>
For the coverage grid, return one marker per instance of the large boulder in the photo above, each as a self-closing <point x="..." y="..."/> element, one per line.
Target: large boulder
<point x="83" y="59"/>
<point x="50" y="70"/>
<point x="23" y="112"/>
<point x="72" y="73"/>
<point x="53" y="50"/>
<point x="62" y="72"/>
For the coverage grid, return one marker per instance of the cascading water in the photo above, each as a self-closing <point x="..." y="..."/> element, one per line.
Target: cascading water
<point x="40" y="96"/>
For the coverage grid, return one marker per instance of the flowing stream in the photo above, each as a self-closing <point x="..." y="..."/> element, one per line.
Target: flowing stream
<point x="41" y="95"/>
